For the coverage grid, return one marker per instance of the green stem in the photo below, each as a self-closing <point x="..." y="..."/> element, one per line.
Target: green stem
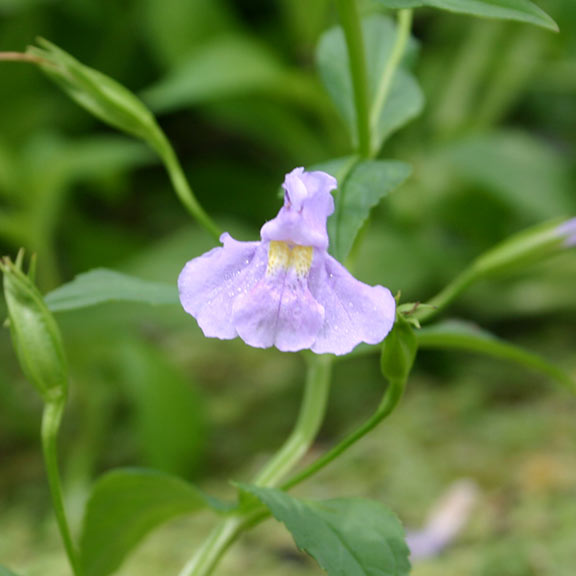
<point x="51" y="419"/>
<point x="447" y="295"/>
<point x="207" y="557"/>
<point x="20" y="57"/>
<point x="229" y="530"/>
<point x="352" y="26"/>
<point x="393" y="395"/>
<point x="402" y="36"/>
<point x="309" y="421"/>
<point x="180" y="183"/>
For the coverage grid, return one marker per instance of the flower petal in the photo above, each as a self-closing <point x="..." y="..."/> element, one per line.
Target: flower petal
<point x="353" y="311"/>
<point x="209" y="284"/>
<point x="307" y="204"/>
<point x="279" y="311"/>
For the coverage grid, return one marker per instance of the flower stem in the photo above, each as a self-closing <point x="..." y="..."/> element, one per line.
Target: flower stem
<point x="207" y="557"/>
<point x="309" y="421"/>
<point x="402" y="36"/>
<point x="51" y="419"/>
<point x="352" y="26"/>
<point x="183" y="190"/>
<point x="393" y="395"/>
<point x="21" y="57"/>
<point x="447" y="295"/>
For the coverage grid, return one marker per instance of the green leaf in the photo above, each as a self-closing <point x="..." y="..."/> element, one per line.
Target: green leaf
<point x="97" y="155"/>
<point x="125" y="505"/>
<point x="405" y="99"/>
<point x="525" y="172"/>
<point x="520" y="10"/>
<point x="460" y="335"/>
<point x="101" y="285"/>
<point x="361" y="190"/>
<point x="175" y="28"/>
<point x="168" y="409"/>
<point x="227" y="67"/>
<point x="401" y="4"/>
<point x="5" y="572"/>
<point x="346" y="536"/>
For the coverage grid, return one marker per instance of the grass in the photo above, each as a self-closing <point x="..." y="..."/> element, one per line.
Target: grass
<point x="519" y="452"/>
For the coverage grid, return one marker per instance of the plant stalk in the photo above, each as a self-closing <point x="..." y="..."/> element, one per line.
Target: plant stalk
<point x="391" y="398"/>
<point x="402" y="37"/>
<point x="51" y="419"/>
<point x="352" y="25"/>
<point x="447" y="295"/>
<point x="309" y="421"/>
<point x="298" y="443"/>
<point x="181" y="185"/>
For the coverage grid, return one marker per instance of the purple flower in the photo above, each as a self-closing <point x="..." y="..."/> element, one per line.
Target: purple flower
<point x="286" y="290"/>
<point x="568" y="231"/>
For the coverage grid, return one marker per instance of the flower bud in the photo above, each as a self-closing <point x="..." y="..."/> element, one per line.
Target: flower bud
<point x="527" y="247"/>
<point x="35" y="334"/>
<point x="99" y="94"/>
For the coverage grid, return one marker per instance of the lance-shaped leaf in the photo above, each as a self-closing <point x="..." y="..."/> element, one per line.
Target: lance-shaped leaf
<point x="346" y="536"/>
<point x="124" y="507"/>
<point x="361" y="187"/>
<point x="404" y="98"/>
<point x="228" y="67"/>
<point x="460" y="335"/>
<point x="519" y="10"/>
<point x="101" y="285"/>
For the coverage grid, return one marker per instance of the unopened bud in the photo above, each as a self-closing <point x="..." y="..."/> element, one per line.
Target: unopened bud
<point x="527" y="247"/>
<point x="35" y="334"/>
<point x="99" y="94"/>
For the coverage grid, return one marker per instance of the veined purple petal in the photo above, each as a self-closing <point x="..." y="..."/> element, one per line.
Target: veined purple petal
<point x="279" y="311"/>
<point x="209" y="284"/>
<point x="353" y="311"/>
<point x="307" y="204"/>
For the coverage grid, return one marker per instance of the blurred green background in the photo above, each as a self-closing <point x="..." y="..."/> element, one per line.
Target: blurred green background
<point x="235" y="88"/>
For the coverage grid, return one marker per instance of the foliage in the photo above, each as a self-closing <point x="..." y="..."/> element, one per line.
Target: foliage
<point x="452" y="143"/>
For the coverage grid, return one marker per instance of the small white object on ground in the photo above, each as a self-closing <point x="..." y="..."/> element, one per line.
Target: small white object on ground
<point x="446" y="520"/>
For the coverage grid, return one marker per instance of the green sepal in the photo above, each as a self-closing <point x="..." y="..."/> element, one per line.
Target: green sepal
<point x="399" y="351"/>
